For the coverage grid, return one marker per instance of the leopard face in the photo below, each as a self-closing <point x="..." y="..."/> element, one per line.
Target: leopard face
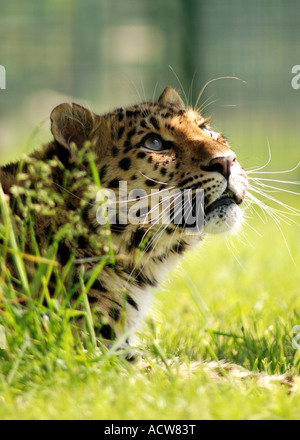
<point x="153" y="147"/>
<point x="161" y="145"/>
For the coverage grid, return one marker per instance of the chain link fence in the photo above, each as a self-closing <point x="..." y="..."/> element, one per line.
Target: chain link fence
<point x="107" y="53"/>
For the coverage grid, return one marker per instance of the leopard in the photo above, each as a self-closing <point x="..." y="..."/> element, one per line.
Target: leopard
<point x="152" y="148"/>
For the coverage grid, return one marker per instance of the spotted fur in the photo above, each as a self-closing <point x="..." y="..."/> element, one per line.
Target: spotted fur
<point x="192" y="157"/>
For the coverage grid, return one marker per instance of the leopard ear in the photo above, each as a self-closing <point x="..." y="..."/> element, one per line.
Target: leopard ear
<point x="71" y="123"/>
<point x="170" y="97"/>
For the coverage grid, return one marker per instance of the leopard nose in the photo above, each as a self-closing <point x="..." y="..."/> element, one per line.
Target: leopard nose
<point x="222" y="165"/>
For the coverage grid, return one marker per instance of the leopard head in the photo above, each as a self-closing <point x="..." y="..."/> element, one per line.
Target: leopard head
<point x="155" y="146"/>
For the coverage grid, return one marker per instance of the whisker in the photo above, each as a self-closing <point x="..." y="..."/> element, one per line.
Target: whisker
<point x="293" y="211"/>
<point x="288" y="182"/>
<point x="180" y="84"/>
<point x="160" y="215"/>
<point x="274" y="188"/>
<point x="203" y="107"/>
<point x="144" y="197"/>
<point x="213" y="80"/>
<point x="154" y="92"/>
<point x="252" y="206"/>
<point x="190" y="93"/>
<point x="276" y="221"/>
<point x="72" y="194"/>
<point x="234" y="252"/>
<point x="256" y="170"/>
<point x="142" y="84"/>
<point x="157" y="181"/>
<point x="272" y="172"/>
<point x="278" y="214"/>
<point x="199" y="109"/>
<point x="254" y="230"/>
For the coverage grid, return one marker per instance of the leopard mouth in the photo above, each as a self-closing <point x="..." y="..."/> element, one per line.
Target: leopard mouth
<point x="228" y="198"/>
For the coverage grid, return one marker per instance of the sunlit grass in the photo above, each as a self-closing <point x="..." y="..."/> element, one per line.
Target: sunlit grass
<point x="210" y="307"/>
<point x="234" y="300"/>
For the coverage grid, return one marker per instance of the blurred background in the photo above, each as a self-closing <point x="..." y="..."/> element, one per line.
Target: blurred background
<point x="108" y="53"/>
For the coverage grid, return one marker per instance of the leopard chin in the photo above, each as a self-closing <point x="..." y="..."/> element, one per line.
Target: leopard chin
<point x="223" y="215"/>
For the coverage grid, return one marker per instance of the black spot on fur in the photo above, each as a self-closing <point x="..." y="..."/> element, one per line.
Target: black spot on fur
<point x="131" y="301"/>
<point x="11" y="168"/>
<point x="130" y="113"/>
<point x="138" y="237"/>
<point x="149" y="182"/>
<point x="114" y="313"/>
<point x="154" y="123"/>
<point x="131" y="133"/>
<point x="62" y="153"/>
<point x="97" y="285"/>
<point x="103" y="172"/>
<point x="107" y="332"/>
<point x="120" y="114"/>
<point x="184" y="182"/>
<point x="179" y="247"/>
<point x="114" y="183"/>
<point x="143" y="280"/>
<point x="148" y="247"/>
<point x="86" y="218"/>
<point x="160" y="258"/>
<point x="141" y="155"/>
<point x="114" y="151"/>
<point x="118" y="228"/>
<point x="63" y="253"/>
<point x="125" y="163"/>
<point x="83" y="242"/>
<point x="121" y="132"/>
<point x="93" y="299"/>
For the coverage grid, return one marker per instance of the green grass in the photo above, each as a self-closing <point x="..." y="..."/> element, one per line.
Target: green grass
<point x="238" y="306"/>
<point x="211" y="307"/>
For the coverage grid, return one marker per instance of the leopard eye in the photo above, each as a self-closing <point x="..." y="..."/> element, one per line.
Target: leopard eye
<point x="153" y="142"/>
<point x="212" y="134"/>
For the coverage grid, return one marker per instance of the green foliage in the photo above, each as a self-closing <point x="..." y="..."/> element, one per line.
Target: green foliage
<point x="220" y="304"/>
